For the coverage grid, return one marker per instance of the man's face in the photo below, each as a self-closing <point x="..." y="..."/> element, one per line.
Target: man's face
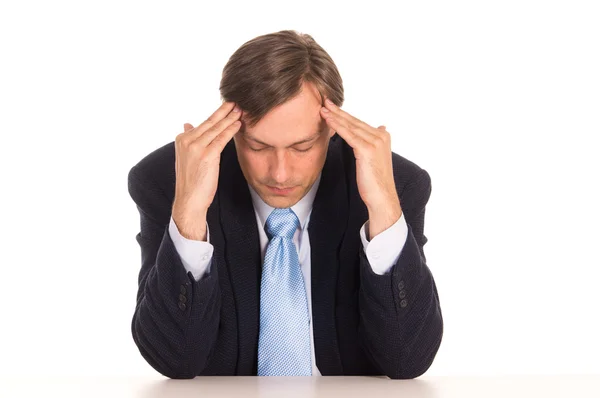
<point x="286" y="149"/>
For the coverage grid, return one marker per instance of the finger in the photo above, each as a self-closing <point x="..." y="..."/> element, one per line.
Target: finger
<point x="341" y="127"/>
<point x="361" y="128"/>
<point x="338" y="111"/>
<point x="362" y="132"/>
<point x="209" y="135"/>
<point x="217" y="145"/>
<point x="381" y="127"/>
<point x="187" y="127"/>
<point x="213" y="119"/>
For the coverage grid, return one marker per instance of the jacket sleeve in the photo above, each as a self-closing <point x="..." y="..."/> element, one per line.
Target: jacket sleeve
<point x="401" y="322"/>
<point x="176" y="318"/>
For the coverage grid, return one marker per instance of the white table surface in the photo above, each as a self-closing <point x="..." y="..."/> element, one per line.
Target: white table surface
<point x="283" y="387"/>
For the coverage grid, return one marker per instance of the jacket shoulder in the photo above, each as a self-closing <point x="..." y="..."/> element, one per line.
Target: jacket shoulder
<point x="157" y="168"/>
<point x="405" y="171"/>
<point x="151" y="183"/>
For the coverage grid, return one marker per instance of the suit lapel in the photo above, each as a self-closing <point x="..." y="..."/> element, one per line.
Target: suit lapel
<point x="326" y="229"/>
<point x="242" y="254"/>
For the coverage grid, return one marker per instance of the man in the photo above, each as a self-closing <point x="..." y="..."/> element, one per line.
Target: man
<point x="289" y="250"/>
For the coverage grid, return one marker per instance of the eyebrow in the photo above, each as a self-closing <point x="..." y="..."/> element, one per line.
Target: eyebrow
<point x="312" y="137"/>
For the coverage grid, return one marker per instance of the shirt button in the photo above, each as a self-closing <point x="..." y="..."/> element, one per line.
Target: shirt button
<point x="403" y="303"/>
<point x="182" y="289"/>
<point x="400" y="285"/>
<point x="182" y="298"/>
<point x="375" y="255"/>
<point x="402" y="294"/>
<point x="181" y="306"/>
<point x="204" y="257"/>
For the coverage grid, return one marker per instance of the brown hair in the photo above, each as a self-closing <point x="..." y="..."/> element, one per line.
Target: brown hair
<point x="269" y="70"/>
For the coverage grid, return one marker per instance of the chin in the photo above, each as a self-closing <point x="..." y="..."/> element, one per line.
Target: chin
<point x="280" y="203"/>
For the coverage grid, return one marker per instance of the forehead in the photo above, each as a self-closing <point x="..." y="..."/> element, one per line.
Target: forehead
<point x="296" y="119"/>
<point x="300" y="130"/>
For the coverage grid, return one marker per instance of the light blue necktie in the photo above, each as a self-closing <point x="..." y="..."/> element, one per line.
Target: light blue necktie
<point x="284" y="338"/>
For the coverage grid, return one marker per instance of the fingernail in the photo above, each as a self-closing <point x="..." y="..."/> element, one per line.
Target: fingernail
<point x="236" y="109"/>
<point x="325" y="109"/>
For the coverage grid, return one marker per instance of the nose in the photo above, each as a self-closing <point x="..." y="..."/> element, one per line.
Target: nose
<point x="280" y="167"/>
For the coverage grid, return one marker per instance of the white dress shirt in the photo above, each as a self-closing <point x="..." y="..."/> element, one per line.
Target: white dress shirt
<point x="382" y="251"/>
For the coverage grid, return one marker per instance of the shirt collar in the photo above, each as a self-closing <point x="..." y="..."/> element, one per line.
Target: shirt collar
<point x="302" y="209"/>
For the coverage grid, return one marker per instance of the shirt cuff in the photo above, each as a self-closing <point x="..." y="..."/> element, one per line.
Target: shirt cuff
<point x="196" y="255"/>
<point x="384" y="249"/>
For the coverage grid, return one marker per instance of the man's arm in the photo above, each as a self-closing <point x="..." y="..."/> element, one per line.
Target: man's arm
<point x="383" y="250"/>
<point x="196" y="255"/>
<point x="176" y="319"/>
<point x="401" y="322"/>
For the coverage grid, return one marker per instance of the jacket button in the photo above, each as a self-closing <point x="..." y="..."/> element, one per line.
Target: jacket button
<point x="182" y="298"/>
<point x="403" y="303"/>
<point x="181" y="306"/>
<point x="400" y="285"/>
<point x="182" y="289"/>
<point x="402" y="294"/>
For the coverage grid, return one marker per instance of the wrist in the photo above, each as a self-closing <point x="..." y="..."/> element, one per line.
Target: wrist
<point x="191" y="226"/>
<point x="383" y="217"/>
<point x="390" y="206"/>
<point x="194" y="233"/>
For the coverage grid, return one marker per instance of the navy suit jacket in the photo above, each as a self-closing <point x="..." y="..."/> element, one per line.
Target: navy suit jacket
<point x="363" y="323"/>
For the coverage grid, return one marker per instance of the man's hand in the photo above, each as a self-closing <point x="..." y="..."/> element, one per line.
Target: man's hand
<point x="374" y="172"/>
<point x="197" y="157"/>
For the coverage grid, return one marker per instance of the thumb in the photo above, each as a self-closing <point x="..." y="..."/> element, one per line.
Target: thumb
<point x="381" y="127"/>
<point x="187" y="127"/>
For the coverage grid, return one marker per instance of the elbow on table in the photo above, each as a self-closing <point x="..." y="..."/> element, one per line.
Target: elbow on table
<point x="417" y="367"/>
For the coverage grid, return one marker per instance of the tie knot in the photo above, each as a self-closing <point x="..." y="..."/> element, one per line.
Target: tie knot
<point x="282" y="222"/>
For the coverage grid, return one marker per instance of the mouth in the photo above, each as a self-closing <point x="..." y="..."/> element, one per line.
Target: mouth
<point x="281" y="191"/>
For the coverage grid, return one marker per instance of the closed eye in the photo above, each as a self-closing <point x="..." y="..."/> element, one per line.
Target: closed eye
<point x="295" y="149"/>
<point x="303" y="150"/>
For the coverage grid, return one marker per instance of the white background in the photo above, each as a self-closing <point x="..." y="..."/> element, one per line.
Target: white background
<point x="498" y="100"/>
